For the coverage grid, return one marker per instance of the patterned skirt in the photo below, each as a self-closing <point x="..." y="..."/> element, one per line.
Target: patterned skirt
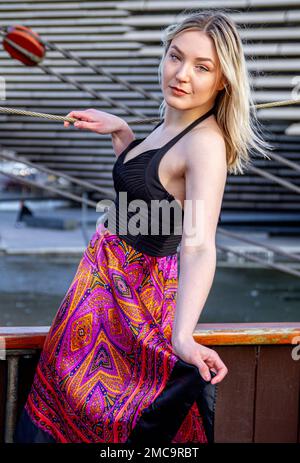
<point x="107" y="371"/>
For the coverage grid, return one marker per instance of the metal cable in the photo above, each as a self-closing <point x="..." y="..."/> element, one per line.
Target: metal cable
<point x="275" y="178"/>
<point x="55" y="173"/>
<point x="270" y="247"/>
<point x="52" y="189"/>
<point x="283" y="268"/>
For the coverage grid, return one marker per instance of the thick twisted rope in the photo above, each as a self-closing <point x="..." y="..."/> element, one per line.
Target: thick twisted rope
<point x="21" y="112"/>
<point x="55" y="117"/>
<point x="137" y="121"/>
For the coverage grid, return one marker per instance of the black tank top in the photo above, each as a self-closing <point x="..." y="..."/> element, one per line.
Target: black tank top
<point x="159" y="222"/>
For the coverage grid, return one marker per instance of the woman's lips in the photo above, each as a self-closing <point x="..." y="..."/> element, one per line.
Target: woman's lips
<point x="178" y="92"/>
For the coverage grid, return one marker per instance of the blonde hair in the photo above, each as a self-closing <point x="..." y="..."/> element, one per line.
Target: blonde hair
<point x="240" y="128"/>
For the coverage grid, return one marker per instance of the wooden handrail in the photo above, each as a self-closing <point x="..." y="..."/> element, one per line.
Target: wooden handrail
<point x="33" y="337"/>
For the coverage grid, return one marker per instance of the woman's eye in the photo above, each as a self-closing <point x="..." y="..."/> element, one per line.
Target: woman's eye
<point x="202" y="67"/>
<point x="175" y="56"/>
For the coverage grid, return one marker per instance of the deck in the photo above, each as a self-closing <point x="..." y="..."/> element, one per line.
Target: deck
<point x="257" y="402"/>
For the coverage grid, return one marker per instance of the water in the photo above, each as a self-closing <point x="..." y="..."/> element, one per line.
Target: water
<point x="32" y="288"/>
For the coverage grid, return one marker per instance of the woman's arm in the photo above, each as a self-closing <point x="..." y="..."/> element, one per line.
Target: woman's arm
<point x="197" y="272"/>
<point x="205" y="178"/>
<point x="122" y="137"/>
<point x="104" y="123"/>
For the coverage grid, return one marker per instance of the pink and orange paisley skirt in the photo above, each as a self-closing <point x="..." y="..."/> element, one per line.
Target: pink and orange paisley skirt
<point x="107" y="371"/>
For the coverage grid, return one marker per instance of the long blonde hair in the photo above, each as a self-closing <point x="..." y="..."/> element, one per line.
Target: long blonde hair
<point x="237" y="121"/>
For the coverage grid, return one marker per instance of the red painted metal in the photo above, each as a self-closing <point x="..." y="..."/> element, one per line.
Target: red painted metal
<point x="23" y="37"/>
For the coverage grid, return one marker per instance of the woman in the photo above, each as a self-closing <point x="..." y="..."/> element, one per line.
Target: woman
<point x="120" y="363"/>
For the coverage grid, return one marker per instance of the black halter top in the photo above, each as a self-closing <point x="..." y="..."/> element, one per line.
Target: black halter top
<point x="152" y="227"/>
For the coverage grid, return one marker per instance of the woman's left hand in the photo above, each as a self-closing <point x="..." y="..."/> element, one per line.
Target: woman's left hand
<point x="202" y="357"/>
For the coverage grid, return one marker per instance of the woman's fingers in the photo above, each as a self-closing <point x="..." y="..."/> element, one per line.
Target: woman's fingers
<point x="86" y="125"/>
<point x="80" y="115"/>
<point x="204" y="371"/>
<point x="95" y="121"/>
<point x="207" y="360"/>
<point x="210" y="360"/>
<point x="66" y="123"/>
<point x="221" y="370"/>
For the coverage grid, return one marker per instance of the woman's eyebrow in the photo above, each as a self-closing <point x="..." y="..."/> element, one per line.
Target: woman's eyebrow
<point x="199" y="57"/>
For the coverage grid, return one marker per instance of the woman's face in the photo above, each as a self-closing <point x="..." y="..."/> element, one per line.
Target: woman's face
<point x="192" y="65"/>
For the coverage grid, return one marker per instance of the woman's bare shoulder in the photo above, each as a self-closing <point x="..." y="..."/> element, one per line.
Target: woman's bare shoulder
<point x="205" y="138"/>
<point x="209" y="126"/>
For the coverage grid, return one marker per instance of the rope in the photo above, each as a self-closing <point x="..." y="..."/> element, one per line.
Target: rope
<point x="138" y="121"/>
<point x="21" y="112"/>
<point x="276" y="103"/>
<point x="55" y="117"/>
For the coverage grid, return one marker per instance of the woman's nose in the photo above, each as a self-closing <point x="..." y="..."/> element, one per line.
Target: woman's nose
<point x="183" y="73"/>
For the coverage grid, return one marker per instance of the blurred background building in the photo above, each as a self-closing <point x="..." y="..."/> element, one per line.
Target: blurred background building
<point x="89" y="46"/>
<point x="251" y="316"/>
<point x="124" y="38"/>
